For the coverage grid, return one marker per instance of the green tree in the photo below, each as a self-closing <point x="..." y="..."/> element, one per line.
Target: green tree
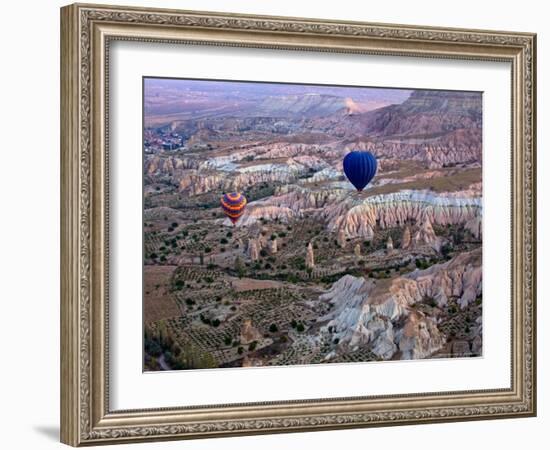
<point x="192" y="357"/>
<point x="239" y="267"/>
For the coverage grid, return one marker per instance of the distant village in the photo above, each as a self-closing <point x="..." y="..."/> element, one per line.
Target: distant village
<point x="156" y="140"/>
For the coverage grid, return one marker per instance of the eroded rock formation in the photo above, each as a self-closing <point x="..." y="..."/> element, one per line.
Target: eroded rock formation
<point x="253" y="249"/>
<point x="341" y="239"/>
<point x="459" y="277"/>
<point x="273" y="249"/>
<point x="392" y="210"/>
<point x="310" y="258"/>
<point x="406" y="238"/>
<point x="426" y="236"/>
<point x="249" y="333"/>
<point x="380" y="315"/>
<point x="258" y="210"/>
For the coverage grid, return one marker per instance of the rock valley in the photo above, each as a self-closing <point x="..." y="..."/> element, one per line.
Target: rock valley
<point x="314" y="271"/>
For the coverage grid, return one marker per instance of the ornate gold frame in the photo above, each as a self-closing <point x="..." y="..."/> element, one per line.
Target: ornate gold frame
<point x="86" y="31"/>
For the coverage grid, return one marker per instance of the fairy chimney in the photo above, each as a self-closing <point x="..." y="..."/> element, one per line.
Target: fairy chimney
<point x="274" y="247"/>
<point x="253" y="249"/>
<point x="310" y="259"/>
<point x="426" y="234"/>
<point x="406" y="239"/>
<point x="341" y="239"/>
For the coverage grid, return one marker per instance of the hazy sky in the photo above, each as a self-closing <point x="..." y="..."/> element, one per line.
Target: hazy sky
<point x="256" y="90"/>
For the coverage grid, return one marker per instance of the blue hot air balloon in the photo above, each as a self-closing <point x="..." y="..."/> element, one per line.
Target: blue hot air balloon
<point x="360" y="168"/>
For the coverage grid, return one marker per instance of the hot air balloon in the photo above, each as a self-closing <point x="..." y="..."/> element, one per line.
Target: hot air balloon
<point x="360" y="168"/>
<point x="233" y="205"/>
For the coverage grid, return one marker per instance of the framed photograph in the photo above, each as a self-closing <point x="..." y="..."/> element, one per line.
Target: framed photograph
<point x="278" y="224"/>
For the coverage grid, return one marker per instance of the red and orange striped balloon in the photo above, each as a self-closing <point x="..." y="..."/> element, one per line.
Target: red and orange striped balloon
<point x="233" y="205"/>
